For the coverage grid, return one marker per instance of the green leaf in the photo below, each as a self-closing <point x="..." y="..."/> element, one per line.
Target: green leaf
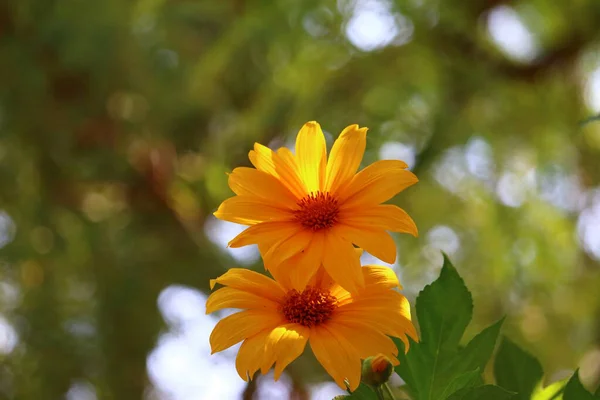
<point x="466" y="380"/>
<point x="444" y="309"/>
<point x="436" y="366"/>
<point x="597" y="394"/>
<point x="575" y="390"/>
<point x="517" y="370"/>
<point x="362" y="392"/>
<point x="487" y="392"/>
<point x="550" y="392"/>
<point x="479" y="350"/>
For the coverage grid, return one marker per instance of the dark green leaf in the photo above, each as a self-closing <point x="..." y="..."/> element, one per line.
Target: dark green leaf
<point x="575" y="390"/>
<point x="462" y="381"/>
<point x="444" y="309"/>
<point x="479" y="350"/>
<point x="485" y="392"/>
<point x="597" y="394"/>
<point x="517" y="370"/>
<point x="437" y="367"/>
<point x="362" y="392"/>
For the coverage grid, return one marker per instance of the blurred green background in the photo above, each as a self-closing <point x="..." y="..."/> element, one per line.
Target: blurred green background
<point x="119" y="120"/>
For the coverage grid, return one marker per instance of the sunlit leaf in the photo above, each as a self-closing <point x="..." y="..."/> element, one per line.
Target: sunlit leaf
<point x="550" y="392"/>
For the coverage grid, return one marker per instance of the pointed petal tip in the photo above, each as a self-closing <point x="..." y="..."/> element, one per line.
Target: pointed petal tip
<point x="213" y="282"/>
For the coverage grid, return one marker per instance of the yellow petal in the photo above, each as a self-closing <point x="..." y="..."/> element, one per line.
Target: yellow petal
<point x="346" y="155"/>
<point x="264" y="233"/>
<point x="341" y="262"/>
<point x="266" y="160"/>
<point x="251" y="354"/>
<point x="336" y="355"/>
<point x="246" y="181"/>
<point x="385" y="216"/>
<point x="284" y="344"/>
<point x="379" y="277"/>
<point x="297" y="271"/>
<point x="228" y="297"/>
<point x="342" y="295"/>
<point x="311" y="153"/>
<point x="397" y="328"/>
<point x="251" y="282"/>
<point x="366" y="340"/>
<point x="249" y="210"/>
<point x="289" y="158"/>
<point x="377" y="242"/>
<point x="376" y="184"/>
<point x="388" y="312"/>
<point x="288" y="246"/>
<point x="382" y="300"/>
<point x="239" y="326"/>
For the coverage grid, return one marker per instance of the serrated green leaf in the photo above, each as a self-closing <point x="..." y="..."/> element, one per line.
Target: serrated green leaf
<point x="485" y="392"/>
<point x="362" y="392"/>
<point x="432" y="371"/>
<point x="478" y="351"/>
<point x="466" y="380"/>
<point x="444" y="309"/>
<point x="575" y="390"/>
<point x="550" y="392"/>
<point x="517" y="370"/>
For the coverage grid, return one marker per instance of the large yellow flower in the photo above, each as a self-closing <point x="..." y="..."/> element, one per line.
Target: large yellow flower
<point x="277" y="321"/>
<point x="309" y="211"/>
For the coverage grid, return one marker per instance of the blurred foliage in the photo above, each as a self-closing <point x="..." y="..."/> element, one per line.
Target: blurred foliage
<point x="119" y="119"/>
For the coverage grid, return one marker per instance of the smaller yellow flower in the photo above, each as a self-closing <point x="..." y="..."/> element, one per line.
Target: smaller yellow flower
<point x="277" y="321"/>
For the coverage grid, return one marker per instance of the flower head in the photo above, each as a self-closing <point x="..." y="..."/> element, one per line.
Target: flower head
<point x="305" y="211"/>
<point x="277" y="321"/>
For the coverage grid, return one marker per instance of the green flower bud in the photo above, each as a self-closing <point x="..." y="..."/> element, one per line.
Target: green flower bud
<point x="376" y="370"/>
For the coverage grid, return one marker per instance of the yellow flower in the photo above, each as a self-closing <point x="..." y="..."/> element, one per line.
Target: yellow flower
<point x="277" y="321"/>
<point x="310" y="211"/>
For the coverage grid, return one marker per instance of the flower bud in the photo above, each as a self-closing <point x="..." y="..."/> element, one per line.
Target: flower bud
<point x="376" y="370"/>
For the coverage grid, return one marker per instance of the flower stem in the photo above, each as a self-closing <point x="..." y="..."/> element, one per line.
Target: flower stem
<point x="379" y="393"/>
<point x="389" y="391"/>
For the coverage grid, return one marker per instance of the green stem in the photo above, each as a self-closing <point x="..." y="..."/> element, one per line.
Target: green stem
<point x="389" y="391"/>
<point x="379" y="392"/>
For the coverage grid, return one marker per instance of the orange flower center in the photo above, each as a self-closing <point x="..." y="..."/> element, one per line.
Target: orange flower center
<point x="310" y="307"/>
<point x="317" y="211"/>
